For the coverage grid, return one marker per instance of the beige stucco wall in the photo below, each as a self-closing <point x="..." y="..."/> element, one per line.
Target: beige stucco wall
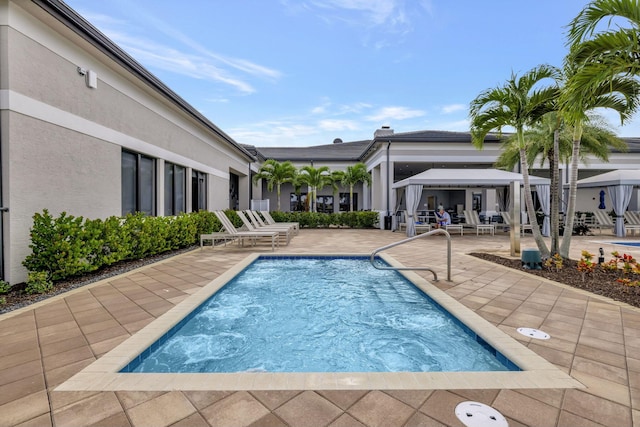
<point x="62" y="141"/>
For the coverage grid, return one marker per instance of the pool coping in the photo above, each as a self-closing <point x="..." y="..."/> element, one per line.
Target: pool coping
<point x="104" y="375"/>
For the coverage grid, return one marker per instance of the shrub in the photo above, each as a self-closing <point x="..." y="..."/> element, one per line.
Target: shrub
<point x="60" y="246"/>
<point x="555" y="261"/>
<point x="38" y="282"/>
<point x="5" y="287"/>
<point x="586" y="265"/>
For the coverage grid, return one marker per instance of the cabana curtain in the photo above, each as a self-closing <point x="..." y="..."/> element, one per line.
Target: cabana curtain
<point x="413" y="193"/>
<point x="544" y="198"/>
<point x="620" y="196"/>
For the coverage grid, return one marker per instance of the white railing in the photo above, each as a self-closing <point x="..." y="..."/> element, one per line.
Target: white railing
<point x="410" y="239"/>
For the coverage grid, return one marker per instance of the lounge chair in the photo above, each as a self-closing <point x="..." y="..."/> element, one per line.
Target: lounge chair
<point x="258" y="222"/>
<point x="603" y="220"/>
<point x="283" y="231"/>
<point x="421" y="227"/>
<point x="473" y="220"/>
<point x="241" y="235"/>
<point x="506" y="216"/>
<point x="632" y="220"/>
<point x="220" y="235"/>
<point x="270" y="221"/>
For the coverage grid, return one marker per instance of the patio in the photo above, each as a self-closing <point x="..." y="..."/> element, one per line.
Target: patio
<point x="595" y="340"/>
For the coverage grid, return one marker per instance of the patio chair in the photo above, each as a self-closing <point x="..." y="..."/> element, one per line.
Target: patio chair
<point x="632" y="222"/>
<point x="421" y="227"/>
<point x="258" y="222"/>
<point x="506" y="216"/>
<point x="473" y="220"/>
<point x="270" y="221"/>
<point x="248" y="221"/>
<point x="603" y="220"/>
<point x="241" y="235"/>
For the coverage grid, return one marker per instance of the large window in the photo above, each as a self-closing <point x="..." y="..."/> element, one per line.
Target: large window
<point x="174" y="189"/>
<point x="344" y="202"/>
<point x="198" y="191"/>
<point x="138" y="183"/>
<point x="324" y="204"/>
<point x="298" y="203"/>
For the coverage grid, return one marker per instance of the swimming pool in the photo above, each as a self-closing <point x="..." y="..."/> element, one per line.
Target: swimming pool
<point x="319" y="314"/>
<point x="104" y="374"/>
<point x="634" y="244"/>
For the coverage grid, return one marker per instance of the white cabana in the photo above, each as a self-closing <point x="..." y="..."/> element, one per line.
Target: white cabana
<point x="619" y="185"/>
<point x="471" y="178"/>
<point x="443" y="178"/>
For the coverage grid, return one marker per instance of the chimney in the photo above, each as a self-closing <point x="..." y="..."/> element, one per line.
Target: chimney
<point x="382" y="132"/>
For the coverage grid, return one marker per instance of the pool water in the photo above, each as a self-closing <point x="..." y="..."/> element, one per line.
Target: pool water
<point x="636" y="244"/>
<point x="319" y="314"/>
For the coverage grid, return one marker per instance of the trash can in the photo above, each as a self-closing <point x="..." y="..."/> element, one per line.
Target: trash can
<point x="387" y="222"/>
<point x="531" y="259"/>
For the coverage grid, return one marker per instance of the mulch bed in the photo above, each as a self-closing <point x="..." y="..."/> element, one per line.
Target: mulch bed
<point x="600" y="281"/>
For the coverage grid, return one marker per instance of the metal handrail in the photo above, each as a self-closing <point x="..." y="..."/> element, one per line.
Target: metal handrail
<point x="410" y="239"/>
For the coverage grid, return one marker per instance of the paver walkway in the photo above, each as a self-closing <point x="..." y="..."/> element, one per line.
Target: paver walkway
<point x="595" y="340"/>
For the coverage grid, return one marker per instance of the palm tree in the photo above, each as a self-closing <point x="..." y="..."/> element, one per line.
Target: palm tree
<point x="518" y="103"/>
<point x="606" y="64"/>
<point x="354" y="175"/>
<point x="549" y="141"/>
<point x="619" y="93"/>
<point x="276" y="174"/>
<point x="607" y="53"/>
<point x="316" y="179"/>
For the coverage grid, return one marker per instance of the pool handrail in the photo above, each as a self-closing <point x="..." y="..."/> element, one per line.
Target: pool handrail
<point x="410" y="239"/>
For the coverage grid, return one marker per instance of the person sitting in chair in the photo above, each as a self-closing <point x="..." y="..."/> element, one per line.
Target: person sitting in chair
<point x="442" y="218"/>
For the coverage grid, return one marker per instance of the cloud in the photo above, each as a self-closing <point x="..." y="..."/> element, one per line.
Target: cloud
<point x="453" y="108"/>
<point x="338" y="125"/>
<point x="395" y="113"/>
<point x="375" y="16"/>
<point x="187" y="58"/>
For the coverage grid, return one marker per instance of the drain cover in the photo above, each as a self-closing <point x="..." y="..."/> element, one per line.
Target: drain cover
<point x="475" y="414"/>
<point x="534" y="333"/>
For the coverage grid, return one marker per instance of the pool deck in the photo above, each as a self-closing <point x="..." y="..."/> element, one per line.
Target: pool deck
<point x="594" y="340"/>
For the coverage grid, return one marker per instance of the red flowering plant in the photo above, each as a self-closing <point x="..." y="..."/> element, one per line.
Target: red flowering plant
<point x="629" y="267"/>
<point x="586" y="264"/>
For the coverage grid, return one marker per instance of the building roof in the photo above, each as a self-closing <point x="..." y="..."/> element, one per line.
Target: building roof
<point x="616" y="177"/>
<point x="343" y="151"/>
<point x="72" y="20"/>
<point x="357" y="150"/>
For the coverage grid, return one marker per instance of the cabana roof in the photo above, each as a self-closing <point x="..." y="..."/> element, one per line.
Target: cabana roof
<point x="444" y="178"/>
<point x="616" y="177"/>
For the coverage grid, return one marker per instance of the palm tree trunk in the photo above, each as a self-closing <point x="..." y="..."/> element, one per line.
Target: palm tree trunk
<point x="278" y="193"/>
<point x="554" y="164"/>
<point x="535" y="228"/>
<point x="573" y="188"/>
<point x="351" y="198"/>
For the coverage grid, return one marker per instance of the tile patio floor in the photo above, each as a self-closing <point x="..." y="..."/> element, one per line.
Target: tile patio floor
<point x="595" y="340"/>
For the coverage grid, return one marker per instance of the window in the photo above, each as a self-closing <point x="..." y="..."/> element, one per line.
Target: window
<point x="344" y="202"/>
<point x="138" y="183"/>
<point x="198" y="191"/>
<point x="324" y="204"/>
<point x="298" y="203"/>
<point x="174" y="189"/>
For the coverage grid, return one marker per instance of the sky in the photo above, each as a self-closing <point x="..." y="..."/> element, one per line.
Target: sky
<point x="299" y="73"/>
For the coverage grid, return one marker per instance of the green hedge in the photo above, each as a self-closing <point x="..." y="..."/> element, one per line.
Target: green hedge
<point x="359" y="219"/>
<point x="67" y="246"/>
